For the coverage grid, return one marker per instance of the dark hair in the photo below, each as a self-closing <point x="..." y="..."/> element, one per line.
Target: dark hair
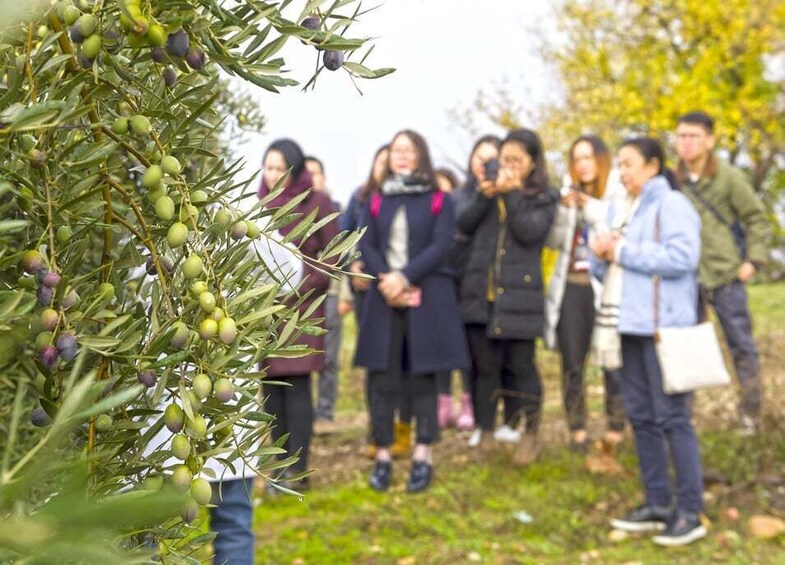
<point x="292" y="155"/>
<point x="531" y="143"/>
<point x="424" y="169"/>
<point x="650" y="148"/>
<point x="371" y="185"/>
<point x="316" y="160"/>
<point x="495" y="140"/>
<point x="602" y="157"/>
<point x="449" y="175"/>
<point x="699" y="119"/>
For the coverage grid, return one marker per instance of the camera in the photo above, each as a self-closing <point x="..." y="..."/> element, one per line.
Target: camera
<point x="491" y="169"/>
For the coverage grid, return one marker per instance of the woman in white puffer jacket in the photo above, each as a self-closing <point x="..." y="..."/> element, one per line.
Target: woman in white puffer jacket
<point x="572" y="294"/>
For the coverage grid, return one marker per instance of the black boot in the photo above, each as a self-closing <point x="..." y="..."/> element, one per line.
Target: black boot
<point x="381" y="476"/>
<point x="420" y="477"/>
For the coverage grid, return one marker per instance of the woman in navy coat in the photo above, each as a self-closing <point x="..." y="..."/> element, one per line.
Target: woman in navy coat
<point x="411" y="327"/>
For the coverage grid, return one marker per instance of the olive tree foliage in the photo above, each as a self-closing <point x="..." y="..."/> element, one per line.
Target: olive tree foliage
<point x="133" y="298"/>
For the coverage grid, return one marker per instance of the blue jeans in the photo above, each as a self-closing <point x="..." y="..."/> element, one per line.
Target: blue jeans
<point x="662" y="424"/>
<point x="232" y="520"/>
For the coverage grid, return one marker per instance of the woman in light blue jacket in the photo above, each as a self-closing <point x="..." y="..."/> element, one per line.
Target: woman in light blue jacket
<point x="654" y="239"/>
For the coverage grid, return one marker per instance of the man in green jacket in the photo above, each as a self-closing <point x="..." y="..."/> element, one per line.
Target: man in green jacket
<point x="733" y="239"/>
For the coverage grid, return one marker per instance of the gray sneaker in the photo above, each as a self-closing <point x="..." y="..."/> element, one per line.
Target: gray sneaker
<point x="644" y="519"/>
<point x="683" y="529"/>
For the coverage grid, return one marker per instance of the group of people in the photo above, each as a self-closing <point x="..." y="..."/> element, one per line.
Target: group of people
<point x="457" y="282"/>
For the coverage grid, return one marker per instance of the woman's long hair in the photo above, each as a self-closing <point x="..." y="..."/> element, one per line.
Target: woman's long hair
<point x="602" y="158"/>
<point x="495" y="140"/>
<point x="371" y="185"/>
<point x="531" y="143"/>
<point x="424" y="170"/>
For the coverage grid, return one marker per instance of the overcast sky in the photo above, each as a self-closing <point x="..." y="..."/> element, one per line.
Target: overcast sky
<point x="443" y="50"/>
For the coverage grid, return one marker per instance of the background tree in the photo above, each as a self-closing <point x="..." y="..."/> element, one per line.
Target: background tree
<point x="634" y="66"/>
<point x="132" y="294"/>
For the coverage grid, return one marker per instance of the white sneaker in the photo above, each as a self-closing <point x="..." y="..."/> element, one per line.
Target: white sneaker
<point x="507" y="435"/>
<point x="476" y="438"/>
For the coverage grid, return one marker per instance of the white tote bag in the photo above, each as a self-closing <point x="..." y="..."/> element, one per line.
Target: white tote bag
<point x="690" y="357"/>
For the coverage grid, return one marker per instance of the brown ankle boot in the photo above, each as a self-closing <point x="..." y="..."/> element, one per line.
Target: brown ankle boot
<point x="403" y="440"/>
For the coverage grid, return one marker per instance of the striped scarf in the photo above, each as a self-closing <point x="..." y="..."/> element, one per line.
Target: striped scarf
<point x="606" y="340"/>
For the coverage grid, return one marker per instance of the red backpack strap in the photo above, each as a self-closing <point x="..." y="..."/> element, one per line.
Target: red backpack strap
<point x="437" y="202"/>
<point x="376" y="204"/>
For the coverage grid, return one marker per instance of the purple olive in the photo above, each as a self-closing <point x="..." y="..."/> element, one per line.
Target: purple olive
<point x="333" y="60"/>
<point x="311" y="22"/>
<point x="76" y="35"/>
<point x="44" y="295"/>
<point x="51" y="279"/>
<point x="39" y="418"/>
<point x="158" y="54"/>
<point x="170" y="76"/>
<point x="166" y="264"/>
<point x="196" y="59"/>
<point x="66" y="346"/>
<point x="177" y="43"/>
<point x="147" y="378"/>
<point x="49" y="356"/>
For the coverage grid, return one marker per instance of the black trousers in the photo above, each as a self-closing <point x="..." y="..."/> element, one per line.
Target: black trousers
<point x="576" y="324"/>
<point x="494" y="357"/>
<point x="389" y="386"/>
<point x="293" y="411"/>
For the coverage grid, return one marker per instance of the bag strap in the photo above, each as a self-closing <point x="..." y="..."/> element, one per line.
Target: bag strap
<point x="437" y="203"/>
<point x="656" y="279"/>
<point x="376" y="204"/>
<point x="706" y="204"/>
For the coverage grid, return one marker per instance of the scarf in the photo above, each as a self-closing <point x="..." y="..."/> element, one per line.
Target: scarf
<point x="405" y="184"/>
<point x="606" y="341"/>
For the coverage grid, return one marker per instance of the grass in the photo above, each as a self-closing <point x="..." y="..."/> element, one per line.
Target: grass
<point x="469" y="515"/>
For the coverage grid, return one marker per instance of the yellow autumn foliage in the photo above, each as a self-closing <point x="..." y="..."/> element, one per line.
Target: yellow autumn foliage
<point x="634" y="66"/>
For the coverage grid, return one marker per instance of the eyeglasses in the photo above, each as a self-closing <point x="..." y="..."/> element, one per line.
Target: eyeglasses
<point x="512" y="162"/>
<point x="690" y="136"/>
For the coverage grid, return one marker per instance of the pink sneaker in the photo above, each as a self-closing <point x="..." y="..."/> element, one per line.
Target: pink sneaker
<point x="445" y="410"/>
<point x="465" y="420"/>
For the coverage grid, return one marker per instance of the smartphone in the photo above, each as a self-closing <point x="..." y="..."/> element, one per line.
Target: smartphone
<point x="491" y="169"/>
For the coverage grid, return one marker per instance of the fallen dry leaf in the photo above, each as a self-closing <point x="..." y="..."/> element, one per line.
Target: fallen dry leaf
<point x="618" y="536"/>
<point x="604" y="464"/>
<point x="765" y="527"/>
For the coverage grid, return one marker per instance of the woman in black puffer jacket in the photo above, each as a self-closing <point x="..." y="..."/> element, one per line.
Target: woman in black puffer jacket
<point x="502" y="299"/>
